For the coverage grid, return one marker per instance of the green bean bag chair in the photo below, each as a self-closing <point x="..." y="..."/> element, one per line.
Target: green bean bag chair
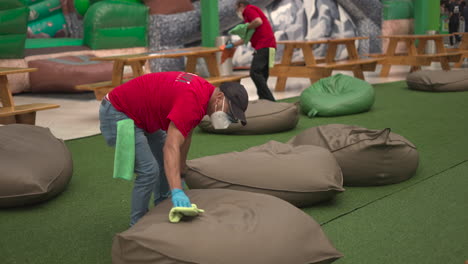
<point x="337" y="95"/>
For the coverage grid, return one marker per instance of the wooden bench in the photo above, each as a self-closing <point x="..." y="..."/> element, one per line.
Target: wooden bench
<point x="416" y="54"/>
<point x="450" y="56"/>
<point x="357" y="66"/>
<point x="100" y="89"/>
<point x="23" y="114"/>
<point x="217" y="81"/>
<point x="315" y="68"/>
<point x="11" y="113"/>
<point x="374" y="55"/>
<point x="464" y="55"/>
<point x="421" y="59"/>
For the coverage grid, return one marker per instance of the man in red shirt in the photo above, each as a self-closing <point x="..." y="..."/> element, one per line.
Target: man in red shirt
<point x="165" y="108"/>
<point x="262" y="40"/>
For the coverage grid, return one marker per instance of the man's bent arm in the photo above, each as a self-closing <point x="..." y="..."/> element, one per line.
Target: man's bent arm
<point x="172" y="153"/>
<point x="184" y="151"/>
<point x="255" y="23"/>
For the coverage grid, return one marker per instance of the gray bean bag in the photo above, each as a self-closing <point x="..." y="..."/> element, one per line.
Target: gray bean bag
<point x="263" y="117"/>
<point x="438" y="81"/>
<point x="302" y="175"/>
<point x="366" y="156"/>
<point x="236" y="227"/>
<point x="35" y="166"/>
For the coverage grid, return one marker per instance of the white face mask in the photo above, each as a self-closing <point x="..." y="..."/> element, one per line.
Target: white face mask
<point x="220" y="119"/>
<point x="239" y="14"/>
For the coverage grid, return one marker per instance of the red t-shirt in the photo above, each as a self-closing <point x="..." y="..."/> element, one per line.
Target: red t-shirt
<point x="154" y="100"/>
<point x="263" y="36"/>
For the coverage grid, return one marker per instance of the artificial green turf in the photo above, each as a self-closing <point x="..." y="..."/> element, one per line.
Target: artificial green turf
<point x="78" y="226"/>
<point x="425" y="223"/>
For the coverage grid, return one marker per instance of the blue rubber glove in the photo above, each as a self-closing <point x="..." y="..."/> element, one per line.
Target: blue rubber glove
<point x="229" y="46"/>
<point x="179" y="199"/>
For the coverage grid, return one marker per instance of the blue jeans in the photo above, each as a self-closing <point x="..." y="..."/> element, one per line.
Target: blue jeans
<point x="149" y="161"/>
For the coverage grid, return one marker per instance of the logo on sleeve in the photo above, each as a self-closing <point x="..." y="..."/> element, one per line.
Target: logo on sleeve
<point x="185" y="77"/>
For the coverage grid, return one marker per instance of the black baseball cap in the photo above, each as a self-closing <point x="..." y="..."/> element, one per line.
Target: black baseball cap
<point x="238" y="99"/>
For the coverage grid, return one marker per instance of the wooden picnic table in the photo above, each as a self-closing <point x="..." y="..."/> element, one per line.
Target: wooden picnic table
<point x="136" y="61"/>
<point x="316" y="68"/>
<point x="11" y="113"/>
<point x="417" y="56"/>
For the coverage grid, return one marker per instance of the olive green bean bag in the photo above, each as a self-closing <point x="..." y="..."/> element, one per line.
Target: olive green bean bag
<point x="301" y="175"/>
<point x="438" y="81"/>
<point x="263" y="117"/>
<point x="35" y="166"/>
<point x="366" y="156"/>
<point x="337" y="95"/>
<point x="236" y="228"/>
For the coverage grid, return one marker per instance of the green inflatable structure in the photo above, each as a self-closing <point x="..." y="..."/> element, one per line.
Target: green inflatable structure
<point x="13" y="27"/>
<point x="49" y="25"/>
<point x="81" y="6"/>
<point x="116" y="25"/>
<point x="337" y="95"/>
<point x="44" y="9"/>
<point x="398" y="9"/>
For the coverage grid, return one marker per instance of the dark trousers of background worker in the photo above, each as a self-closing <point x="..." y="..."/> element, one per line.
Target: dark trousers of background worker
<point x="259" y="73"/>
<point x="454" y="24"/>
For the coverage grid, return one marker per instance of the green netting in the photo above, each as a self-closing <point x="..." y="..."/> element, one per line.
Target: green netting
<point x="398" y="9"/>
<point x="49" y="25"/>
<point x="337" y="95"/>
<point x="44" y="9"/>
<point x="116" y="24"/>
<point x="52" y="42"/>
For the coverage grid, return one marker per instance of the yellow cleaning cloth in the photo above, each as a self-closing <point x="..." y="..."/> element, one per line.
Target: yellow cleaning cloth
<point x="271" y="59"/>
<point x="124" y="159"/>
<point x="176" y="213"/>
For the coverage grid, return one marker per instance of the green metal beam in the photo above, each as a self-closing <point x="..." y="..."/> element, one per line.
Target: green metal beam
<point x="209" y="22"/>
<point x="426" y="15"/>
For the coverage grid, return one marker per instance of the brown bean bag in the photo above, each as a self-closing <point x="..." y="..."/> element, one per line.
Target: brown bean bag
<point x="35" y="165"/>
<point x="263" y="117"/>
<point x="303" y="175"/>
<point x="62" y="74"/>
<point x="236" y="227"/>
<point x="438" y="81"/>
<point x="366" y="156"/>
